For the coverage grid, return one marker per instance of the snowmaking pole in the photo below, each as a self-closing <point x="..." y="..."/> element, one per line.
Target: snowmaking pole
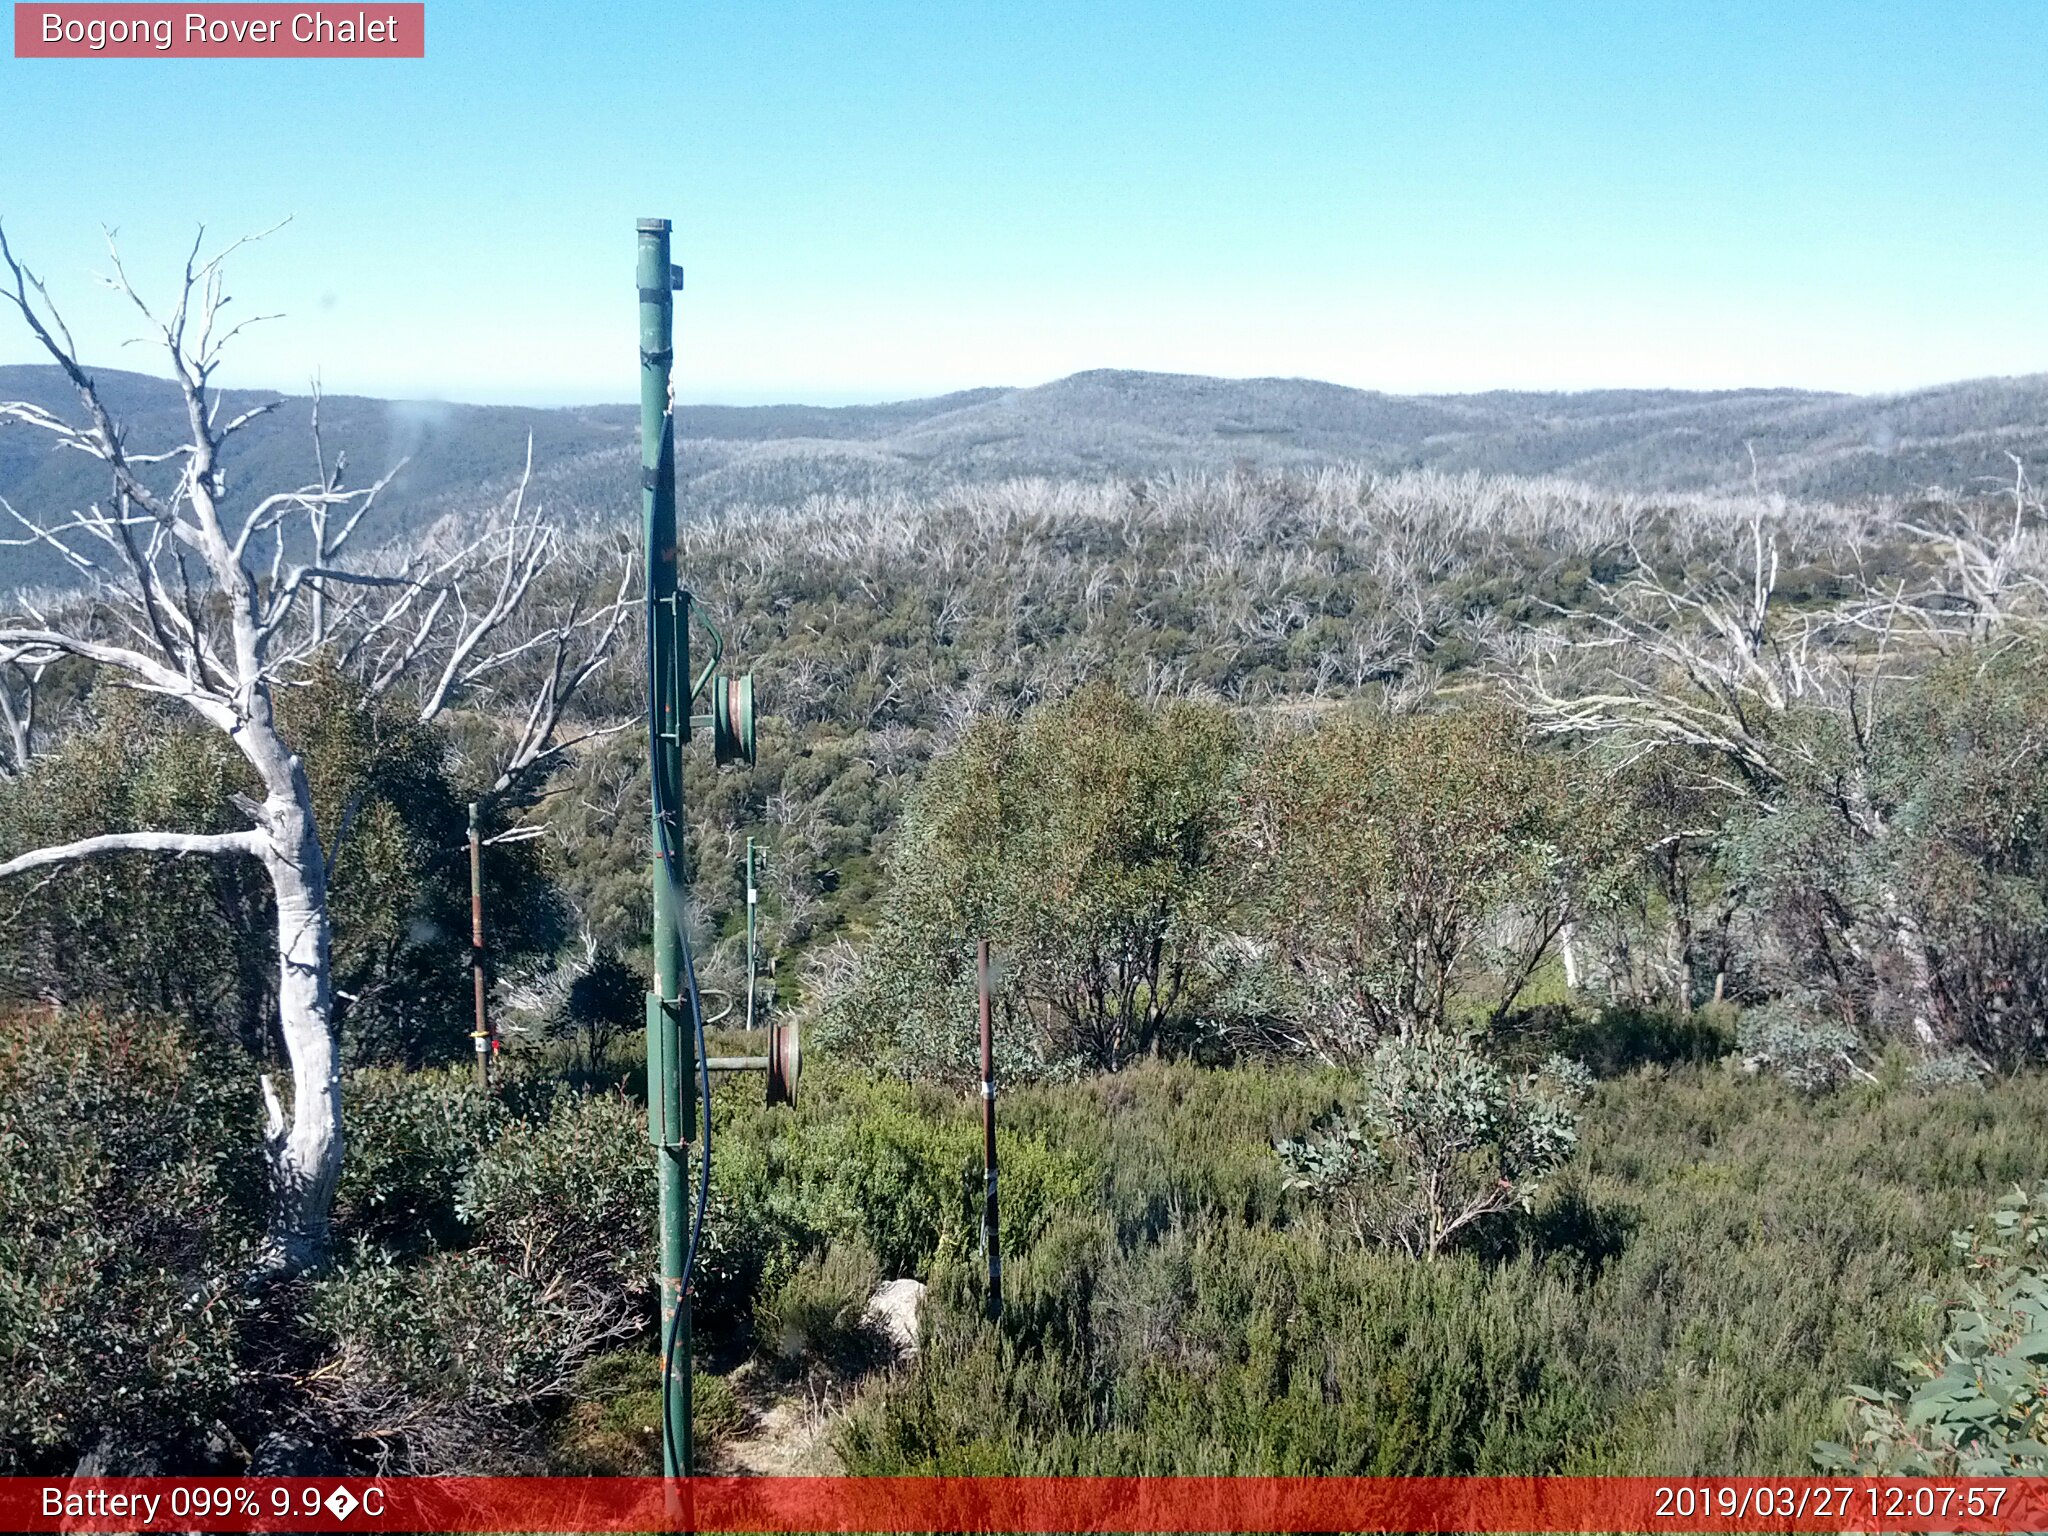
<point x="991" y="1229"/>
<point x="753" y="903"/>
<point x="678" y="1067"/>
<point x="671" y="1044"/>
<point x="481" y="1035"/>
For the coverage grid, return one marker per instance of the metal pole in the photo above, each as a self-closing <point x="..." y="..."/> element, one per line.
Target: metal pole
<point x="753" y="900"/>
<point x="481" y="1034"/>
<point x="991" y="1233"/>
<point x="670" y="1047"/>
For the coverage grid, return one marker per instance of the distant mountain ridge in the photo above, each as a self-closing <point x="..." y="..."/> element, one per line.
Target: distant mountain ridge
<point x="1100" y="424"/>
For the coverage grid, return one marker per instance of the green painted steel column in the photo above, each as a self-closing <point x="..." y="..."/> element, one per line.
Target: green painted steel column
<point x="670" y="1045"/>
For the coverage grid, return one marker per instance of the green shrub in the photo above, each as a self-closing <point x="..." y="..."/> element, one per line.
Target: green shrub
<point x="1980" y="1406"/>
<point x="1234" y="1350"/>
<point x="1971" y="783"/>
<point x="448" y="1365"/>
<point x="570" y="1196"/>
<point x="1166" y="1142"/>
<point x="1442" y="1139"/>
<point x="893" y="1167"/>
<point x="816" y="1313"/>
<point x="138" y="932"/>
<point x="613" y="1429"/>
<point x="413" y="1139"/>
<point x="456" y="1361"/>
<point x="1812" y="1054"/>
<point x="1405" y="871"/>
<point x="903" y="1177"/>
<point x="605" y="1001"/>
<point x="1951" y="1069"/>
<point x="197" y="937"/>
<point x="1615" y="1039"/>
<point x="130" y="1197"/>
<point x="1654" y="1314"/>
<point x="1083" y="844"/>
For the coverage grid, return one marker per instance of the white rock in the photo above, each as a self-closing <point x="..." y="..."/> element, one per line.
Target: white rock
<point x="893" y="1312"/>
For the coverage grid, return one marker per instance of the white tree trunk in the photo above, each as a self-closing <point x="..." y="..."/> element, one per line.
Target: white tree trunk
<point x="1907" y="936"/>
<point x="1911" y="941"/>
<point x="304" y="1151"/>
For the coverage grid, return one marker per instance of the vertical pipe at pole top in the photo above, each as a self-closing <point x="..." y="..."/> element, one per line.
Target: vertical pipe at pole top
<point x="658" y="543"/>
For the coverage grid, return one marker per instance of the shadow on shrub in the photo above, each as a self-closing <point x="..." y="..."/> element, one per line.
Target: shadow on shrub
<point x="1614" y="1041"/>
<point x="1569" y="1224"/>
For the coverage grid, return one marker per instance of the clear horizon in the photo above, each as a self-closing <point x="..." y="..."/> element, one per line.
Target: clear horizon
<point x="890" y="202"/>
<point x="541" y="401"/>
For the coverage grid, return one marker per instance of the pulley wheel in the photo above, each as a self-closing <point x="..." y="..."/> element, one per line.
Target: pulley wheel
<point x="785" y="1060"/>
<point x="732" y="718"/>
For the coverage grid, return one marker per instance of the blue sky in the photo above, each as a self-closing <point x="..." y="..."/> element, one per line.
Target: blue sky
<point x="891" y="199"/>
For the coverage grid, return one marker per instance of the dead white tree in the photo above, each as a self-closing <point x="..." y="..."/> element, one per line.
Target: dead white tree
<point x="182" y="598"/>
<point x="1722" y="669"/>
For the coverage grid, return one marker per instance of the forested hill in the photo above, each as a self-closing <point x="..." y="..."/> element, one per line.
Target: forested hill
<point x="1102" y="424"/>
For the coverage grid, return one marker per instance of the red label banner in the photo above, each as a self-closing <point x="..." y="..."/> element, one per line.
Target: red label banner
<point x="1025" y="1504"/>
<point x="236" y="31"/>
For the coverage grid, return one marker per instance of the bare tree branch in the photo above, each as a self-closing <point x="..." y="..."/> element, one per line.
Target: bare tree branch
<point x="210" y="844"/>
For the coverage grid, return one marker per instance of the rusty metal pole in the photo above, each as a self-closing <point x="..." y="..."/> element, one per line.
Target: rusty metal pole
<point x="481" y="1034"/>
<point x="753" y="904"/>
<point x="991" y="1233"/>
